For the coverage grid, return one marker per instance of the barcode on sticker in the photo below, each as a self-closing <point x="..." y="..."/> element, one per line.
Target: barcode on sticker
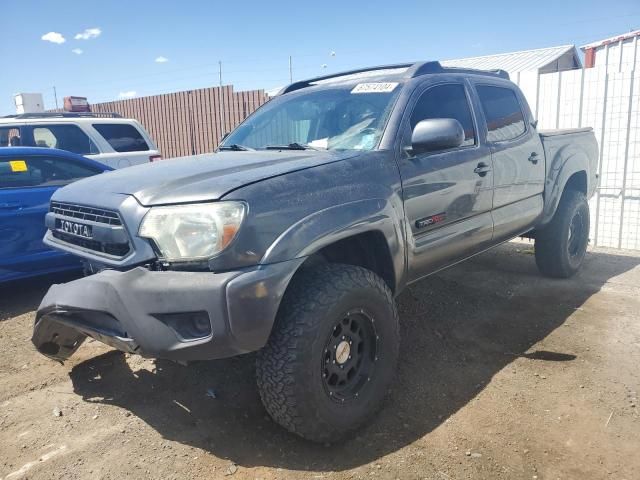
<point x="378" y="87"/>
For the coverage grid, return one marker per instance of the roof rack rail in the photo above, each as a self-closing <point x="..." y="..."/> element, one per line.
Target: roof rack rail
<point x="474" y="71"/>
<point x="305" y="83"/>
<point x="65" y="115"/>
<point x="424" y="68"/>
<point x="414" y="69"/>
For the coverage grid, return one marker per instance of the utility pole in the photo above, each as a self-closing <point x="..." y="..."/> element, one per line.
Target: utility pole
<point x="290" y="69"/>
<point x="222" y="132"/>
<point x="55" y="95"/>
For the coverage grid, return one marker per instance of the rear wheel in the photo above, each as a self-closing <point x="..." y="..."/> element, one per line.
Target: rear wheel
<point x="332" y="354"/>
<point x="561" y="246"/>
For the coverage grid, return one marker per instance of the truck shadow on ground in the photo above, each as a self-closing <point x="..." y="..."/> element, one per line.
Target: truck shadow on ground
<point x="459" y="328"/>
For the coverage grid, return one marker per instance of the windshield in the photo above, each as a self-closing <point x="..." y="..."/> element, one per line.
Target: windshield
<point x="340" y="118"/>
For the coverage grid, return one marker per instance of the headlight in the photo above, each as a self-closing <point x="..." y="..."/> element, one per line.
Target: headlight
<point x="192" y="232"/>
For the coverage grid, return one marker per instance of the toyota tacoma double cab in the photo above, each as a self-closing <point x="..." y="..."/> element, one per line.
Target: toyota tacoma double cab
<point x="294" y="238"/>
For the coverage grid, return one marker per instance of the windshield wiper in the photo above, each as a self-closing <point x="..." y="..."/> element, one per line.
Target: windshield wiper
<point x="234" y="147"/>
<point x="291" y="146"/>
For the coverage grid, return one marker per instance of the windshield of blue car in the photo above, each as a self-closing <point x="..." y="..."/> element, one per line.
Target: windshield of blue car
<point x="344" y="117"/>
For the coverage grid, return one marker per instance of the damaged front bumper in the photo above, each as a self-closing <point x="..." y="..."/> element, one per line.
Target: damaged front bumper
<point x="173" y="315"/>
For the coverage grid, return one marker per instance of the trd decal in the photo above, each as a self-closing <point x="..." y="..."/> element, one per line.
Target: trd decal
<point x="425" y="222"/>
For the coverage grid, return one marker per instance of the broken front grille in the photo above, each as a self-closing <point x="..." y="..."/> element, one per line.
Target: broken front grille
<point x="114" y="249"/>
<point x="79" y="212"/>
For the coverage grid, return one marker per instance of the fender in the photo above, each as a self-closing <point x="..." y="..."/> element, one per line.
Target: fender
<point x="320" y="229"/>
<point x="564" y="163"/>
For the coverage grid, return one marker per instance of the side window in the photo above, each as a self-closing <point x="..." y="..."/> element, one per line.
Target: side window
<point x="10" y="137"/>
<point x="505" y="120"/>
<point x="64" y="137"/>
<point x="122" y="137"/>
<point x="43" y="137"/>
<point x="41" y="171"/>
<point x="446" y="101"/>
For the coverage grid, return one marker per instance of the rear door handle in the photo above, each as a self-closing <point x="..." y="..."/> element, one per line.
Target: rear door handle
<point x="533" y="158"/>
<point x="482" y="169"/>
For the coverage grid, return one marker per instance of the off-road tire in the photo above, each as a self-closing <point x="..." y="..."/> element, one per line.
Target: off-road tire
<point x="289" y="368"/>
<point x="559" y="254"/>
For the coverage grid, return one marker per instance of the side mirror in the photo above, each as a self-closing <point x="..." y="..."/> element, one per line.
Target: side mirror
<point x="436" y="134"/>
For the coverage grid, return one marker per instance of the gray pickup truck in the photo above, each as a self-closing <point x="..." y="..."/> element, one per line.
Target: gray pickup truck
<point x="294" y="238"/>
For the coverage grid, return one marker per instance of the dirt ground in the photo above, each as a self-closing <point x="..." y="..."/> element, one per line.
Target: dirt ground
<point x="503" y="375"/>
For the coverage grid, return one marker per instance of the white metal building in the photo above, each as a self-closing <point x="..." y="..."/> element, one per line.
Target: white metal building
<point x="617" y="53"/>
<point x="541" y="60"/>
<point x="605" y="97"/>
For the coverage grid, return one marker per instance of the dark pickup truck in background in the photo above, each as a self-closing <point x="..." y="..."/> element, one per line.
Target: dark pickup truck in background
<point x="293" y="239"/>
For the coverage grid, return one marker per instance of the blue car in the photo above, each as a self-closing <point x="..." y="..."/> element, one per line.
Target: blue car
<point x="28" y="178"/>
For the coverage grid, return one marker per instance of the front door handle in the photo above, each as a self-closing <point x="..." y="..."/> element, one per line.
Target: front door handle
<point x="482" y="169"/>
<point x="533" y="158"/>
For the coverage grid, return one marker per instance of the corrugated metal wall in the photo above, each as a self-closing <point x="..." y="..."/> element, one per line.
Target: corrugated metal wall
<point x="188" y="122"/>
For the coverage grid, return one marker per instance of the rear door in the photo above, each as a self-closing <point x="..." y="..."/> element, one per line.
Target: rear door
<point x="447" y="197"/>
<point x="127" y="144"/>
<point x="26" y="185"/>
<point x="518" y="159"/>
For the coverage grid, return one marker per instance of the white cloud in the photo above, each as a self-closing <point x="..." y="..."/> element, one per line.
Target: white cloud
<point x="77" y="51"/>
<point x="88" y="33"/>
<point x="162" y="59"/>
<point x="53" y="37"/>
<point x="127" y="94"/>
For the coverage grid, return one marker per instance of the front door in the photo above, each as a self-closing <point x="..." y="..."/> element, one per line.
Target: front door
<point x="447" y="194"/>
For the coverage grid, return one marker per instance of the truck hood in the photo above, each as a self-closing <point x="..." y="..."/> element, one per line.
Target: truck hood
<point x="194" y="179"/>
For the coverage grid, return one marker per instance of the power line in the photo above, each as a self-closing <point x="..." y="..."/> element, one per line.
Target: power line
<point x="245" y="68"/>
<point x="245" y="61"/>
<point x="182" y="69"/>
<point x="171" y="80"/>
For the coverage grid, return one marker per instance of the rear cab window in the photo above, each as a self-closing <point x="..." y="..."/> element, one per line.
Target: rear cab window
<point x="122" y="137"/>
<point x="41" y="171"/>
<point x="502" y="110"/>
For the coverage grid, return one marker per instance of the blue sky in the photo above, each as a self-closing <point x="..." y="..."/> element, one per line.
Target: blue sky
<point x="118" y="42"/>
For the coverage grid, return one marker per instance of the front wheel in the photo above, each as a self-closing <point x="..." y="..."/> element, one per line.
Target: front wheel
<point x="561" y="245"/>
<point x="332" y="354"/>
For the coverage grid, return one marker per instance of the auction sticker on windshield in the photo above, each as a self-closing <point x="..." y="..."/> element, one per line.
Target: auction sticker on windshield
<point x="378" y="87"/>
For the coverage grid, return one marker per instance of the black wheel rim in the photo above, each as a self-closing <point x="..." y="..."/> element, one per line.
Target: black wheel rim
<point x="349" y="356"/>
<point x="576" y="234"/>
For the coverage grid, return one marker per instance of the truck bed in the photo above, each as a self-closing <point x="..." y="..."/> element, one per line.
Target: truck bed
<point x="568" y="150"/>
<point x="563" y="131"/>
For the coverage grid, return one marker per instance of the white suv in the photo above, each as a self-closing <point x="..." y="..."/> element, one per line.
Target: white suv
<point x="104" y="137"/>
